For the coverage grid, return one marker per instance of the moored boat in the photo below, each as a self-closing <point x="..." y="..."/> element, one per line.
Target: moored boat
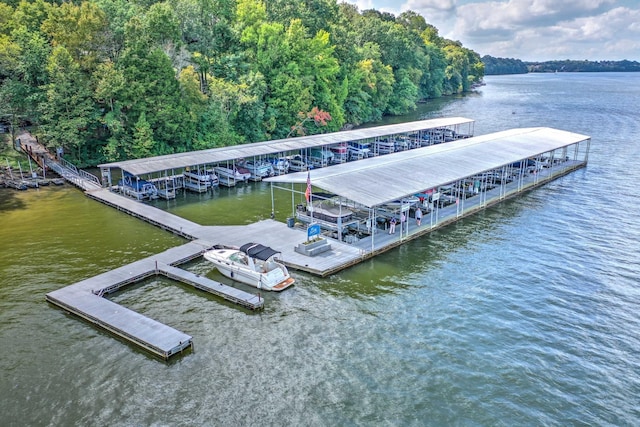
<point x="232" y="173"/>
<point x="297" y="163"/>
<point x="259" y="169"/>
<point x="253" y="264"/>
<point x="359" y="150"/>
<point x="405" y="203"/>
<point x="199" y="180"/>
<point x="340" y="153"/>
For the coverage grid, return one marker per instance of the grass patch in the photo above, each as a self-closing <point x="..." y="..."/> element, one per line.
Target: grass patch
<point x="8" y="153"/>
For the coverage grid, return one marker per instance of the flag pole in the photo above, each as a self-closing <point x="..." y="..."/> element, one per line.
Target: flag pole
<point x="309" y="195"/>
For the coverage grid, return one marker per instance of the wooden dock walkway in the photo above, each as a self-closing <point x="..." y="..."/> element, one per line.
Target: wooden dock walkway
<point x="267" y="232"/>
<point x="153" y="336"/>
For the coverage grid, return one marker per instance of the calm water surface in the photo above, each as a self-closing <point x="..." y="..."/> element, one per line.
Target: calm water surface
<point x="525" y="314"/>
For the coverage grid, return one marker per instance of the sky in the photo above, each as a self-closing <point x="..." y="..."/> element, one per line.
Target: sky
<point x="531" y="30"/>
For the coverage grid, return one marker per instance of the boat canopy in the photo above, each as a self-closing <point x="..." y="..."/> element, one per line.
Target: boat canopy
<point x="256" y="250"/>
<point x="376" y="181"/>
<point x="168" y="162"/>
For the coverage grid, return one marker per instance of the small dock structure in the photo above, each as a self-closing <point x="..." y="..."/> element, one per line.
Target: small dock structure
<point x="86" y="299"/>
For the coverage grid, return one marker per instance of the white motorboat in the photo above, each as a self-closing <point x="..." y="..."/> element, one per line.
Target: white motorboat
<point x="359" y="150"/>
<point x="259" y="169"/>
<point x="199" y="180"/>
<point x="280" y="165"/>
<point x="253" y="264"/>
<point x="384" y="146"/>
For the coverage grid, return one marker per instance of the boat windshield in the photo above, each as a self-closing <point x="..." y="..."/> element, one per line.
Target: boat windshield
<point x="239" y="258"/>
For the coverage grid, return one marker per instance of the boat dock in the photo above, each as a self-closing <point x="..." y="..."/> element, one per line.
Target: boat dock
<point x="343" y="254"/>
<point x="272" y="233"/>
<point x="470" y="174"/>
<point x="86" y="299"/>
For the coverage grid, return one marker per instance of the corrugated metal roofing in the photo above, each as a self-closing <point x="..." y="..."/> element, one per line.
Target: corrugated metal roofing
<point x="149" y="165"/>
<point x="383" y="179"/>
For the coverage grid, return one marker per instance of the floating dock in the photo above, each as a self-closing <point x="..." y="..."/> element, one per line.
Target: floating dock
<point x="86" y="299"/>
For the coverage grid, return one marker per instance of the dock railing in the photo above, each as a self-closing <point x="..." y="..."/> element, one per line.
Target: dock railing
<point x="69" y="171"/>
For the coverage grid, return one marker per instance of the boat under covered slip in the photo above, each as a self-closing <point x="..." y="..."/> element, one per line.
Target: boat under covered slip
<point x="253" y="264"/>
<point x="232" y="174"/>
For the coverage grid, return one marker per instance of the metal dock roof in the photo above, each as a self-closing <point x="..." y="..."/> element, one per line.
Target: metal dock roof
<point x="149" y="165"/>
<point x="383" y="179"/>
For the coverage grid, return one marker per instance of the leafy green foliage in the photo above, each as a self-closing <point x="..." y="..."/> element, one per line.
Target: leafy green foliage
<point x="503" y="65"/>
<point x="68" y="111"/>
<point x="116" y="79"/>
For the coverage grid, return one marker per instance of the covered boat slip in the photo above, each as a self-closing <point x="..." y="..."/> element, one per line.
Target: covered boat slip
<point x="452" y="179"/>
<point x="173" y="165"/>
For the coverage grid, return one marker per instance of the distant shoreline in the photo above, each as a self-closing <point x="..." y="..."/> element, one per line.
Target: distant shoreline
<point x="498" y="66"/>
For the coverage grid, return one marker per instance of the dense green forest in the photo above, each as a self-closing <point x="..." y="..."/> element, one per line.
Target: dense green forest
<point x="515" y="66"/>
<point x="582" y="66"/>
<point x="493" y="66"/>
<point x="117" y="79"/>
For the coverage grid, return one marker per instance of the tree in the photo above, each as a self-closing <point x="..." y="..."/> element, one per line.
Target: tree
<point x="30" y="15"/>
<point x="207" y="34"/>
<point x="150" y="86"/>
<point x="314" y="118"/>
<point x="315" y="16"/>
<point x="35" y="52"/>
<point x="503" y="65"/>
<point x="118" y="13"/>
<point x="82" y="30"/>
<point x="300" y="72"/>
<point x="249" y="119"/>
<point x="6" y="13"/>
<point x="163" y="29"/>
<point x="68" y="110"/>
<point x="9" y="56"/>
<point x="110" y="79"/>
<point x="143" y="143"/>
<point x="14" y="104"/>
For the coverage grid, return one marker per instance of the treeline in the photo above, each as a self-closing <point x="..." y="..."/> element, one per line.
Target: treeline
<point x="582" y="66"/>
<point x="493" y="66"/>
<point x="117" y="79"/>
<point x="515" y="66"/>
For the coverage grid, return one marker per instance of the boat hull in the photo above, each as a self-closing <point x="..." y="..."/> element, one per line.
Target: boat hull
<point x="275" y="280"/>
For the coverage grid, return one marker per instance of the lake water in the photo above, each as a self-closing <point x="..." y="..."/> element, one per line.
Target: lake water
<point x="525" y="314"/>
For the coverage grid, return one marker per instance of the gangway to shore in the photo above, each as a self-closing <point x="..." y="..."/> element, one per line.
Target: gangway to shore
<point x="65" y="169"/>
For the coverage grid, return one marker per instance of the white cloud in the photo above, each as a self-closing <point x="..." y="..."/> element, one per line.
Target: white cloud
<point x="548" y="29"/>
<point x="363" y="4"/>
<point x="532" y="29"/>
<point x="439" y="13"/>
<point x="436" y="6"/>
